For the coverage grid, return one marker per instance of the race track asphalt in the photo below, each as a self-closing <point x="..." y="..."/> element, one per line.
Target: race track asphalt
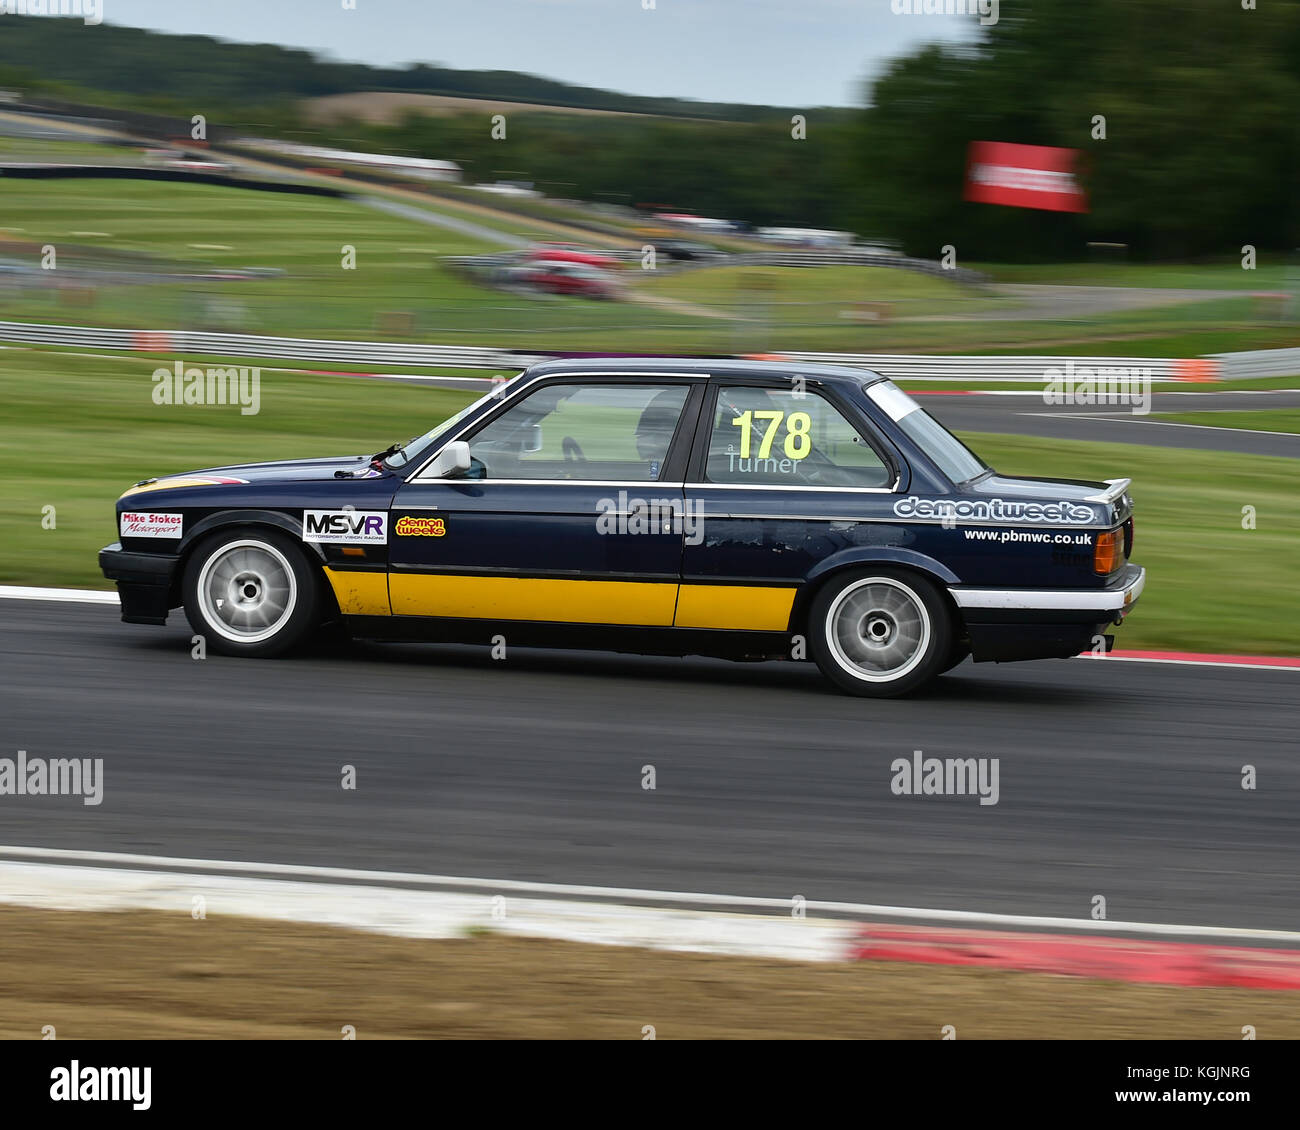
<point x="1029" y="416"/>
<point x="1116" y="779"/>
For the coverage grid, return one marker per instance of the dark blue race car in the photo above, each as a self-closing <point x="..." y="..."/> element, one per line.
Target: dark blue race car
<point x="740" y="509"/>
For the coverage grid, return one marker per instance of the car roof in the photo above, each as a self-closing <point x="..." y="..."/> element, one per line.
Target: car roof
<point x="703" y="366"/>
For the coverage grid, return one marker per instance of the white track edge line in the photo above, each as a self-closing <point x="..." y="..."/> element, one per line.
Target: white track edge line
<point x="77" y="596"/>
<point x="634" y="894"/>
<point x="1189" y="662"/>
<point x="1116" y="418"/>
<point x="423" y="913"/>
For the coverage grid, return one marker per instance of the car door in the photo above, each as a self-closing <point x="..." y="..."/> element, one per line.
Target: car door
<point x="567" y="512"/>
<point x="781" y="479"/>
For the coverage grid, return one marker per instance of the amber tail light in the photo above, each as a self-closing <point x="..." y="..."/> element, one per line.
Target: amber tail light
<point x="1108" y="554"/>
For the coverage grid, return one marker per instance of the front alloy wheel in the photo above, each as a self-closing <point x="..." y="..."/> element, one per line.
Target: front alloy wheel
<point x="880" y="634"/>
<point x="251" y="593"/>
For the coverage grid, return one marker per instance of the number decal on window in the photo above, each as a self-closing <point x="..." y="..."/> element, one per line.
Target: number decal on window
<point x="773" y="417"/>
<point x="798" y="441"/>
<point x="743" y="422"/>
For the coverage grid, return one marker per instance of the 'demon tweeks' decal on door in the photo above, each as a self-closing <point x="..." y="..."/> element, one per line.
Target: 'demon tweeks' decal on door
<point x="420" y="527"/>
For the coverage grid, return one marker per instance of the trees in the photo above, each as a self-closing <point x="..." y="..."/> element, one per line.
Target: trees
<point x="1201" y="109"/>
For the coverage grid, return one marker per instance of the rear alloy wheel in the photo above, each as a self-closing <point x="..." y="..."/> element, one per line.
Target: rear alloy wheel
<point x="880" y="633"/>
<point x="251" y="593"/>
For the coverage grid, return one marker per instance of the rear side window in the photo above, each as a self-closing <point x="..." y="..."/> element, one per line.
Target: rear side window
<point x="787" y="437"/>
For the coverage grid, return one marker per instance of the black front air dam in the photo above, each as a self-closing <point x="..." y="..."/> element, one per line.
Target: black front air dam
<point x="144" y="582"/>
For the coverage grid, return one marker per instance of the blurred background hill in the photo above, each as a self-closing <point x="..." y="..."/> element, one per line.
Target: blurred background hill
<point x="1187" y="119"/>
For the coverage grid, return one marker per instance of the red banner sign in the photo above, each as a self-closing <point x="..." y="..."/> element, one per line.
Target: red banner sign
<point x="1024" y="176"/>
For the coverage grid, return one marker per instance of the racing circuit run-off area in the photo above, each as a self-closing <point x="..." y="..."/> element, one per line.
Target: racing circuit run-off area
<point x="647" y="524"/>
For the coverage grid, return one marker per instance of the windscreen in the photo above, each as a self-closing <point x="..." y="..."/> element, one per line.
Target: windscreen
<point x="417" y="445"/>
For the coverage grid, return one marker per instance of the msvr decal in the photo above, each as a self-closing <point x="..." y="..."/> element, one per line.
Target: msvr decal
<point x="345" y="527"/>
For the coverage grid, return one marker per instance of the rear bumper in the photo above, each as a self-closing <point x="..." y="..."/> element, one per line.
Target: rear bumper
<point x="144" y="582"/>
<point x="1116" y="599"/>
<point x="1010" y="624"/>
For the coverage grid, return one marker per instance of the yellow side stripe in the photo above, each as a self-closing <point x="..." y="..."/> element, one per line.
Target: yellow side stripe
<point x="359" y="593"/>
<point x="745" y="607"/>
<point x="632" y="603"/>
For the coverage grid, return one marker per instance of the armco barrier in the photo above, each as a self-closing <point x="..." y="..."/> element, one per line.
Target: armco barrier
<point x="249" y="345"/>
<point x="898" y="366"/>
<point x="1258" y="363"/>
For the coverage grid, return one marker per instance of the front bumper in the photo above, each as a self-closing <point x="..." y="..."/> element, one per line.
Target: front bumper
<point x="144" y="582"/>
<point x="1011" y="624"/>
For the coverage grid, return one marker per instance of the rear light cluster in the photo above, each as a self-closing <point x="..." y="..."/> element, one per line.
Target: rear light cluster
<point x="1108" y="555"/>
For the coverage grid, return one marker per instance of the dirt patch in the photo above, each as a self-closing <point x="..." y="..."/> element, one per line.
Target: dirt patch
<point x="676" y="305"/>
<point x="138" y="975"/>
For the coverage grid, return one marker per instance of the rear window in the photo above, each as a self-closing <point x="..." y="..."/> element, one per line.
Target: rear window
<point x="950" y="455"/>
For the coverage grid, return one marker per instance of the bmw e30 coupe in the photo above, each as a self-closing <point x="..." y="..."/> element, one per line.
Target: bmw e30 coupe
<point x="727" y="508"/>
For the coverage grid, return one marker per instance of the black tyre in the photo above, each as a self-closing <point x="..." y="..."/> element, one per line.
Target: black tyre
<point x="956" y="657"/>
<point x="251" y="592"/>
<point x="880" y="632"/>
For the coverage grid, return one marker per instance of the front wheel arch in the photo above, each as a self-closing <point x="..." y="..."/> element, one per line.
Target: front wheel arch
<point x="251" y="518"/>
<point x="253" y="521"/>
<point x="309" y="603"/>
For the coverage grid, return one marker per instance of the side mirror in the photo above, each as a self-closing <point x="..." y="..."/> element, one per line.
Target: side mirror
<point x="451" y="460"/>
<point x="532" y="439"/>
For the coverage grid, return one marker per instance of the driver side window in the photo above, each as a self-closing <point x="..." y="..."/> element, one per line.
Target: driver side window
<point x="604" y="432"/>
<point x="786" y="437"/>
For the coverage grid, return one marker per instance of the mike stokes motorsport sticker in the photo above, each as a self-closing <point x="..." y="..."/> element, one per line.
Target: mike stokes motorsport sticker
<point x="345" y="527"/>
<point x="996" y="510"/>
<point x="137" y="525"/>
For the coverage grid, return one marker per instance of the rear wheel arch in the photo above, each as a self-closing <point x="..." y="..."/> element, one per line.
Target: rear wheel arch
<point x="937" y="575"/>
